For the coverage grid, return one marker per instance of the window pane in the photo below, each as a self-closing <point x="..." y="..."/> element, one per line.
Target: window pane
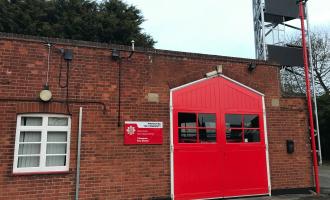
<point x="30" y="136"/>
<point x="28" y="161"/>
<point x="56" y="136"/>
<point x="206" y="120"/>
<point x="187" y="136"/>
<point x="233" y="121"/>
<point x="187" y="120"/>
<point x="29" y="149"/>
<point x="251" y="121"/>
<point x="57" y="121"/>
<point x="234" y="135"/>
<point x="56" y="149"/>
<point x="55" y="161"/>
<point x="251" y="136"/>
<point x="207" y="135"/>
<point x="31" y="121"/>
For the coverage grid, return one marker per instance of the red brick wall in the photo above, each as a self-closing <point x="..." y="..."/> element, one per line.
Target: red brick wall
<point x="109" y="169"/>
<point x="289" y="122"/>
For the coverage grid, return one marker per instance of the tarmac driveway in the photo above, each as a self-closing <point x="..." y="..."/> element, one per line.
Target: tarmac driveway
<point x="325" y="178"/>
<point x="325" y="189"/>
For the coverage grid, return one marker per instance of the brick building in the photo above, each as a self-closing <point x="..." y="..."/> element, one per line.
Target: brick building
<point x="38" y="140"/>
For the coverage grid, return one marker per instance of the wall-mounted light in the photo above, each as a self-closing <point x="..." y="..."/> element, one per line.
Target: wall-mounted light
<point x="68" y="54"/>
<point x="216" y="72"/>
<point x="115" y="55"/>
<point x="45" y="95"/>
<point x="290" y="146"/>
<point x="252" y="66"/>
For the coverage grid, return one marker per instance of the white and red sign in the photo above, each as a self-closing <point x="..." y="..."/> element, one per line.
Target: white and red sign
<point x="143" y="132"/>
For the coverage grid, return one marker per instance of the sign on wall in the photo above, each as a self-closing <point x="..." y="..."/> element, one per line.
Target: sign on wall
<point x="143" y="132"/>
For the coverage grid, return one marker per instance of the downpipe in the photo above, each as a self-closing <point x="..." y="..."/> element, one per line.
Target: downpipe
<point x="78" y="155"/>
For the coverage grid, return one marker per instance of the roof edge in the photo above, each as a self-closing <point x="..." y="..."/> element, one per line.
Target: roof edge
<point x="222" y="76"/>
<point x="81" y="43"/>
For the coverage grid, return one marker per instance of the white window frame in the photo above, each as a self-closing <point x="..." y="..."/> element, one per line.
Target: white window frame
<point x="43" y="129"/>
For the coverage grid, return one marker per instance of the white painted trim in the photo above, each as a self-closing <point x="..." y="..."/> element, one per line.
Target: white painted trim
<point x="240" y="84"/>
<point x="43" y="144"/>
<point x="189" y="84"/>
<point x="171" y="147"/>
<point x="220" y="75"/>
<point x="228" y="197"/>
<point x="43" y="129"/>
<point x="18" y="121"/>
<point x="266" y="143"/>
<point x="252" y="195"/>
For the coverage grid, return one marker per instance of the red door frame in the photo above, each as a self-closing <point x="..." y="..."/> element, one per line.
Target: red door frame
<point x="263" y="126"/>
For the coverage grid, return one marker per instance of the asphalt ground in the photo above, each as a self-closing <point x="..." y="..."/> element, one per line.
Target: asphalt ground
<point x="324" y="175"/>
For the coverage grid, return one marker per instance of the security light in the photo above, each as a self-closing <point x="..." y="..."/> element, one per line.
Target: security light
<point x="212" y="73"/>
<point x="68" y="54"/>
<point x="217" y="71"/>
<point x="251" y="66"/>
<point x="115" y="55"/>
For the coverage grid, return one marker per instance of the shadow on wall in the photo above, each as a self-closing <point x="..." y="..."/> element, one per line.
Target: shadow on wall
<point x="324" y="119"/>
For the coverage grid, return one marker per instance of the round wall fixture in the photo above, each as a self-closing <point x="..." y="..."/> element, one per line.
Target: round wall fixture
<point x="45" y="95"/>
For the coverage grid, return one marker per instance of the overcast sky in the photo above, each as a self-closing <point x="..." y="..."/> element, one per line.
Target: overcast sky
<point x="220" y="27"/>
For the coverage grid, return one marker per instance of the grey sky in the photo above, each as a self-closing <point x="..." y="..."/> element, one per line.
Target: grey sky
<point x="220" y="27"/>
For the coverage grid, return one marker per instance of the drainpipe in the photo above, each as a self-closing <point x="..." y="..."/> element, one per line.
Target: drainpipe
<point x="78" y="155"/>
<point x="309" y="101"/>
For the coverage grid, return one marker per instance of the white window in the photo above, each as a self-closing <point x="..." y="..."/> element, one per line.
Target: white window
<point x="42" y="143"/>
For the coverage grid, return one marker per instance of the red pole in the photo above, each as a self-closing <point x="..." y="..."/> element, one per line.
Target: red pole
<point x="311" y="122"/>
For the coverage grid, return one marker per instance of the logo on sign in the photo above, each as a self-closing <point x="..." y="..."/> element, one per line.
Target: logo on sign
<point x="143" y="132"/>
<point x="130" y="130"/>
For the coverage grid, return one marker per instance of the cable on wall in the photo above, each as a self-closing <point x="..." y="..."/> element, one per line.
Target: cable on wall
<point x="73" y="101"/>
<point x="67" y="55"/>
<point x="115" y="55"/>
<point x="66" y="84"/>
<point x="49" y="45"/>
<point x="119" y="93"/>
<point x="45" y="94"/>
<point x="48" y="62"/>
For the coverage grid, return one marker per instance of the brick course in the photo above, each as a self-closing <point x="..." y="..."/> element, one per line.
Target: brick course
<point x="109" y="169"/>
